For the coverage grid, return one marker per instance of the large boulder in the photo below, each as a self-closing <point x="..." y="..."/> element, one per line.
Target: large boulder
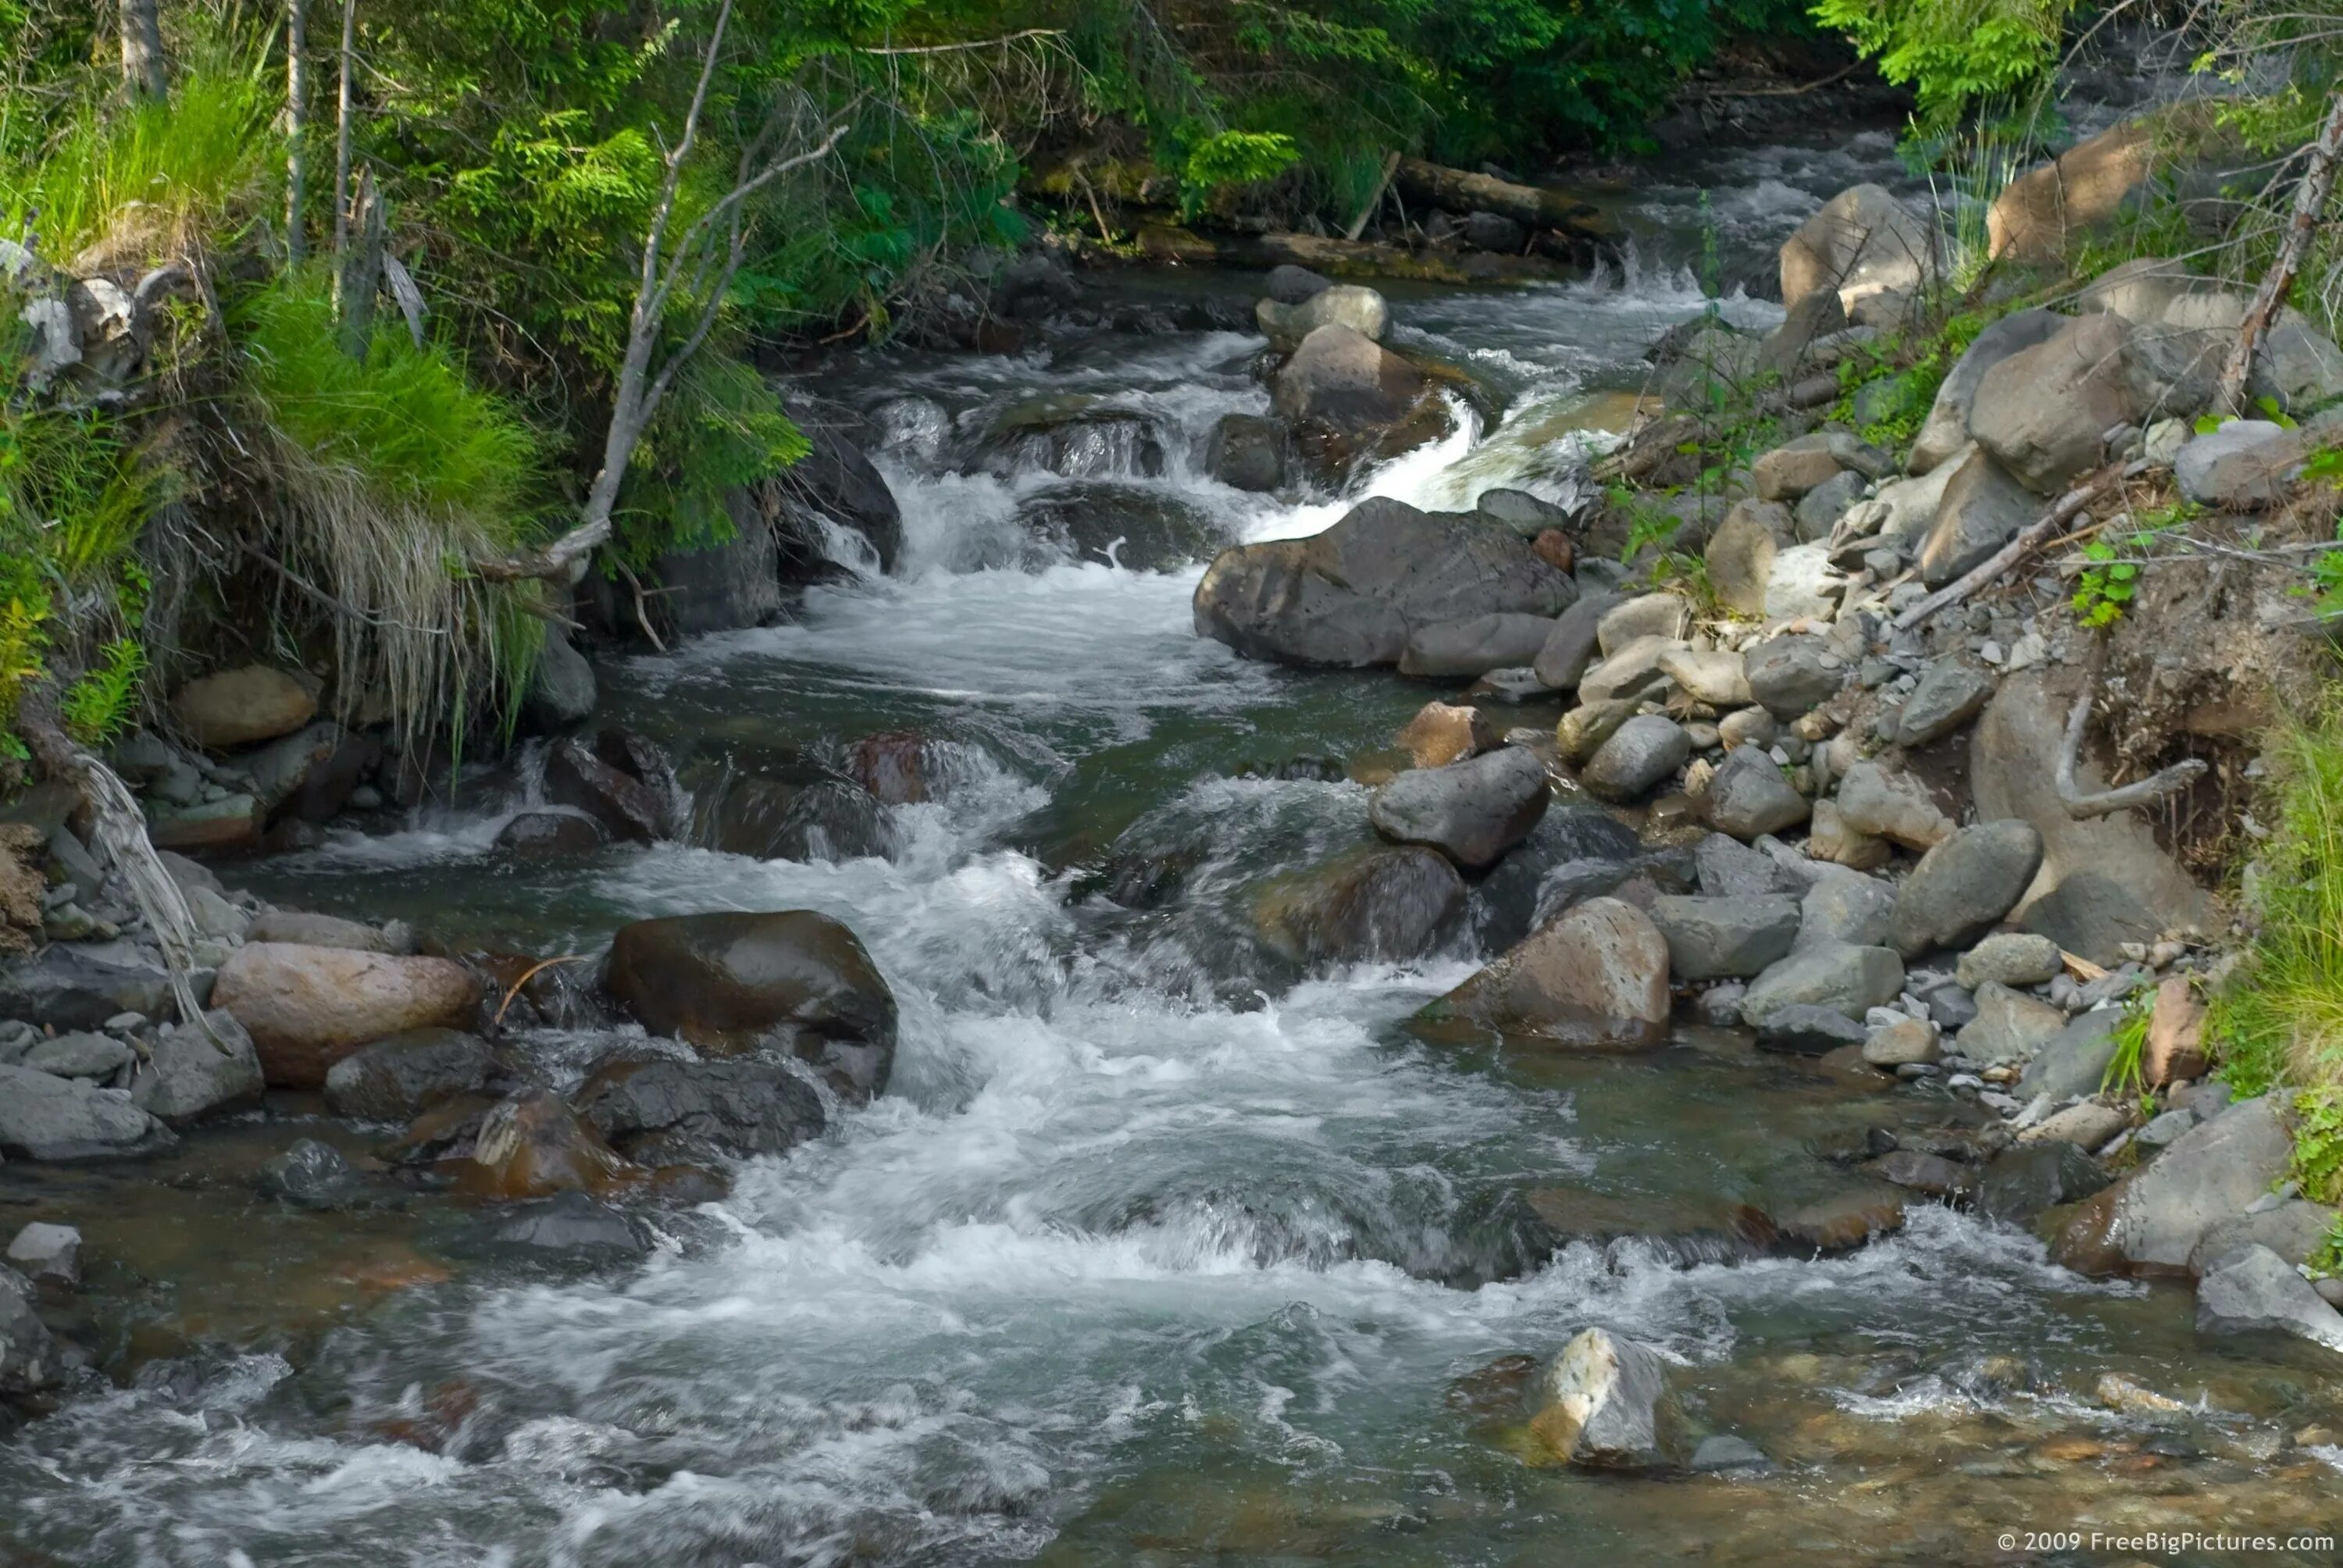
<point x="2258" y="1293"/>
<point x="2104" y="880"/>
<point x="731" y="983"/>
<point x="1382" y="905"/>
<point x="1640" y="754"/>
<point x="238" y="707"/>
<point x="2211" y="1172"/>
<point x="192" y="1073"/>
<point x="1604" y="1404"/>
<point x="1748" y="798"/>
<point x="1342" y="379"/>
<point x="307" y="1007"/>
<point x="1862" y="242"/>
<point x="1946" y="429"/>
<point x="1596" y="976"/>
<point x="1472" y="811"/>
<point x="1966" y="884"/>
<point x="1473" y="648"/>
<point x="2045" y="410"/>
<point x="1349" y="304"/>
<point x="43" y="1117"/>
<point x="397" y="1078"/>
<point x="1247" y="452"/>
<point x="1351" y="595"/>
<point x="1728" y="938"/>
<point x="669" y="1112"/>
<point x="2038" y="215"/>
<point x="2184" y="325"/>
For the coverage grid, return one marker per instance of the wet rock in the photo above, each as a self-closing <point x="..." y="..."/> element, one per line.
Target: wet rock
<point x="1642" y="751"/>
<point x="191" y="1073"/>
<point x="1344" y="379"/>
<point x="1450" y="649"/>
<point x="1584" y="728"/>
<point x="1290" y="284"/>
<point x="304" y="929"/>
<point x="571" y="1226"/>
<point x="237" y="707"/>
<point x="1966" y="884"/>
<point x="2019" y="1183"/>
<point x="1247" y="452"/>
<point x="730" y="982"/>
<point x="2295" y="1231"/>
<point x="1839" y="1223"/>
<point x="2009" y="1026"/>
<point x="397" y="1078"/>
<point x="1861" y="244"/>
<point x="1445" y="732"/>
<point x="669" y="1112"/>
<point x="2074" y="1060"/>
<point x="96" y="1057"/>
<point x="1788" y="675"/>
<point x="899" y="767"/>
<point x="2257" y="1291"/>
<point x="624" y="806"/>
<point x="1907" y="1039"/>
<point x="1724" y="1453"/>
<point x="1726" y="938"/>
<point x="1572" y="645"/>
<point x="29" y="1361"/>
<point x="2175" y="1047"/>
<point x="1596" y="976"/>
<point x="1074" y="436"/>
<point x="1916" y="1172"/>
<point x="1138" y="527"/>
<point x="535" y="1145"/>
<point x="310" y="1175"/>
<point x="1575" y="852"/>
<point x="1384" y="905"/>
<point x="561" y="689"/>
<point x="2009" y="959"/>
<point x="828" y="820"/>
<point x="1748" y="798"/>
<point x="1840" y="976"/>
<point x="1602" y="1403"/>
<point x="1804" y="1029"/>
<point x="1950" y="694"/>
<point x="47" y="1117"/>
<point x="1349" y="305"/>
<point x="2043" y="410"/>
<point x="1892" y="805"/>
<point x="46" y="1252"/>
<point x="1351" y="594"/>
<point x="1473" y="811"/>
<point x="542" y="833"/>
<point x="307" y="1007"/>
<point x="2213" y="1173"/>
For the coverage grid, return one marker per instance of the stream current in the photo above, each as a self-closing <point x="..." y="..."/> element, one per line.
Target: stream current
<point x="1159" y="1248"/>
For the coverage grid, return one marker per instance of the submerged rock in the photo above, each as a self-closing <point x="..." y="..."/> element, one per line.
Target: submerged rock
<point x="1382" y="905"/>
<point x="535" y="1145"/>
<point x="28" y="1356"/>
<point x="669" y="1112"/>
<point x="730" y="982"/>
<point x="1602" y="1403"/>
<point x="397" y="1078"/>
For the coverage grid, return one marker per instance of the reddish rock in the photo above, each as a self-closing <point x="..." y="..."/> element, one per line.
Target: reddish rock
<point x="2175" y="1035"/>
<point x="898" y="767"/>
<point x="535" y="1145"/>
<point x="1445" y="732"/>
<point x="307" y="1007"/>
<point x="1555" y="548"/>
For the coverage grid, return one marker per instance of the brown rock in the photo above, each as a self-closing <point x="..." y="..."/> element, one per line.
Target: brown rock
<point x="2041" y="211"/>
<point x="307" y="1007"/>
<point x="899" y="767"/>
<point x="583" y="782"/>
<point x="1555" y="548"/>
<point x="2078" y="1235"/>
<point x="21" y="886"/>
<point x="1596" y="976"/>
<point x="238" y="707"/>
<point x="535" y="1145"/>
<point x="1445" y="732"/>
<point x="2175" y="1035"/>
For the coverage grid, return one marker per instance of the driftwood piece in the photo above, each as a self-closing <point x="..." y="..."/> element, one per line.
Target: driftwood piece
<point x="2069" y="506"/>
<point x="1459" y="191"/>
<point x="2106" y="802"/>
<point x="2309" y="201"/>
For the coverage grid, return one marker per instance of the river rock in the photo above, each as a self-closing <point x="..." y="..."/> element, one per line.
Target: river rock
<point x="1892" y="805"/>
<point x="1346" y="380"/>
<point x="1572" y="645"/>
<point x="2175" y="1048"/>
<point x="1741" y="554"/>
<point x="1290" y="284"/>
<point x="1819" y="509"/>
<point x="1527" y="515"/>
<point x="669" y="1112"/>
<point x="1901" y="1043"/>
<point x="535" y="1145"/>
<point x="1964" y="884"/>
<point x="65" y="988"/>
<point x="2010" y="959"/>
<point x="1631" y="674"/>
<point x="584" y="780"/>
<point x="2212" y="1172"/>
<point x="561" y="689"/>
<point x="221" y="826"/>
<point x="1846" y="906"/>
<point x="307" y="1007"/>
<point x="1348" y="304"/>
<point x="1803" y="1029"/>
<point x="1449" y="649"/>
<point x="2257" y="1291"/>
<point x="1386" y="905"/>
<point x="1786" y="350"/>
<point x="2295" y="1231"/>
<point x="775" y="820"/>
<point x="2044" y="410"/>
<point x="730" y="982"/>
<point x="2020" y="1183"/>
<point x="2009" y="1026"/>
<point x="1642" y="751"/>
<point x="1602" y="1403"/>
<point x="190" y="1074"/>
<point x="397" y="1078"/>
<point x="2184" y="325"/>
<point x="2244" y="466"/>
<point x="1584" y="728"/>
<point x="1982" y="508"/>
<point x="1791" y="469"/>
<point x="1665" y="616"/>
<point x="1247" y="452"/>
<point x="1596" y="976"/>
<point x="47" y="1117"/>
<point x="1726" y="869"/>
<point x="1473" y="811"/>
<point x="51" y="1252"/>
<point x="238" y="707"/>
<point x="1839" y="1223"/>
<point x="2041" y="213"/>
<point x="94" y="1057"/>
<point x="1949" y="694"/>
<point x="570" y="1227"/>
<point x="1861" y="244"/>
<point x="1445" y="732"/>
<point x="1351" y="594"/>
<point x="1715" y="677"/>
<point x="2075" y="1060"/>
<point x="1717" y="939"/>
<point x="1748" y="798"/>
<point x="29" y="1361"/>
<point x="532" y="834"/>
<point x="306" y="929"/>
<point x="1833" y="839"/>
<point x="1788" y="676"/>
<point x="309" y="1175"/>
<point x="1946" y="429"/>
<point x="282" y="766"/>
<point x="1840" y="976"/>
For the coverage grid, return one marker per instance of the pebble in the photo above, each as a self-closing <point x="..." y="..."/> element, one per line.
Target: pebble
<point x="1991" y="652"/>
<point x="125" y="1022"/>
<point x="1965" y="1081"/>
<point x="2166" y="1127"/>
<point x="1996" y="1100"/>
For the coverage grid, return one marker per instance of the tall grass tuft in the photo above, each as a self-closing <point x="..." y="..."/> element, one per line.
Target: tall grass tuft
<point x="389" y="475"/>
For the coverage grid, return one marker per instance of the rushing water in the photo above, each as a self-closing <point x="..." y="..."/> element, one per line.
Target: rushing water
<point x="1159" y="1248"/>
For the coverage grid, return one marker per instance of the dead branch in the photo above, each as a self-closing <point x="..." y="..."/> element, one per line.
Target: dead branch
<point x="972" y="44"/>
<point x="2309" y="201"/>
<point x="1358" y="225"/>
<point x="2107" y="801"/>
<point x="2068" y="507"/>
<point x="342" y="139"/>
<point x="297" y="125"/>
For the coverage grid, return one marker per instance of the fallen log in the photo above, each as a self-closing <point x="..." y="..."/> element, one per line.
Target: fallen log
<point x="1537" y="207"/>
<point x="1337" y="258"/>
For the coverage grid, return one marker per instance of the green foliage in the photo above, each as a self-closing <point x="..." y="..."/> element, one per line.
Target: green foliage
<point x="1954" y="53"/>
<point x="722" y="427"/>
<point x="2326" y="1261"/>
<point x="1647" y="523"/>
<point x="1227" y="158"/>
<point x="97" y="707"/>
<point x="2319" y="1143"/>
<point x="2124" y="1075"/>
<point x="2109" y="582"/>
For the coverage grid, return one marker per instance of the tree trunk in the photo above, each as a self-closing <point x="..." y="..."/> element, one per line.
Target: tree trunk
<point x="143" y="70"/>
<point x="2310" y="202"/>
<point x="297" y="125"/>
<point x="1456" y="191"/>
<point x="359" y="277"/>
<point x="342" y="140"/>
